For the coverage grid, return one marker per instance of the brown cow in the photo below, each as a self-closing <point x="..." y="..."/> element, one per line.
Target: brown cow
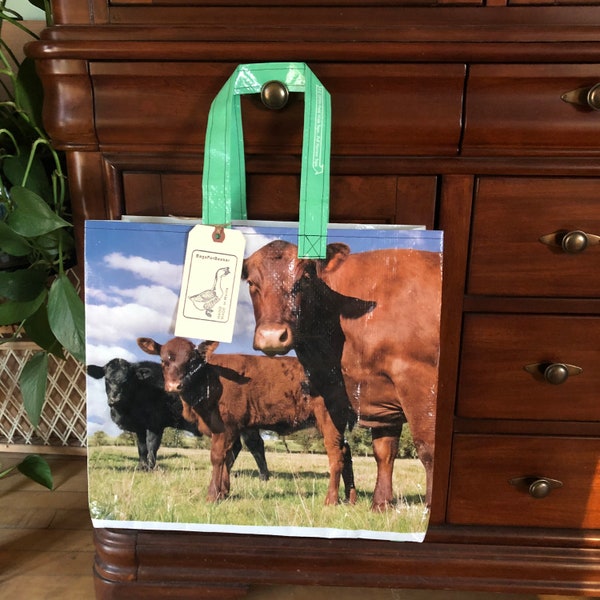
<point x="390" y="354"/>
<point x="234" y="392"/>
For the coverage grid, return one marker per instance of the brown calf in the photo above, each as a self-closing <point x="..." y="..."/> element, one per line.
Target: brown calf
<point x="233" y="392"/>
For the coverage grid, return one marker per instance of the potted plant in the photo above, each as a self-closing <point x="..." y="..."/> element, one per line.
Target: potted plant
<point x="37" y="298"/>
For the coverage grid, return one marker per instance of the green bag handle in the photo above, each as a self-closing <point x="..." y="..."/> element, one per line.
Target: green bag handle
<point x="224" y="177"/>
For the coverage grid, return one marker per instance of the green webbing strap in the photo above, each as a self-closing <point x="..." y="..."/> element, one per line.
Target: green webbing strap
<point x="224" y="181"/>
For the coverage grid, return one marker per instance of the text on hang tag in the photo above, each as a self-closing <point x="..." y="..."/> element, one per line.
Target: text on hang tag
<point x="210" y="284"/>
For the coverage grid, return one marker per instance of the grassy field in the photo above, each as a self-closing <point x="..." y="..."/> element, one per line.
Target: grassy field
<point x="293" y="497"/>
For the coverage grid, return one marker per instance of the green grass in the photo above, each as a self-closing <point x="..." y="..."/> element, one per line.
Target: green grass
<point x="294" y="496"/>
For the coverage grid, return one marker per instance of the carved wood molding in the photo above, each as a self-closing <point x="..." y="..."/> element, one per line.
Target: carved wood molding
<point x="217" y="563"/>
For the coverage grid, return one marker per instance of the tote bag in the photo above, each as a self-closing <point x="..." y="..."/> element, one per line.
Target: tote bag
<point x="333" y="359"/>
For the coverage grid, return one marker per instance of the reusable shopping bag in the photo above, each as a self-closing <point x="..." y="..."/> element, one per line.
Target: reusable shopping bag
<point x="333" y="355"/>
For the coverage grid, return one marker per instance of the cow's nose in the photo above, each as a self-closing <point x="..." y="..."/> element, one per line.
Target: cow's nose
<point x="274" y="339"/>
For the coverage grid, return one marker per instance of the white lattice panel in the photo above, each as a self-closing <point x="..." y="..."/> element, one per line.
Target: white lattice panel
<point x="63" y="419"/>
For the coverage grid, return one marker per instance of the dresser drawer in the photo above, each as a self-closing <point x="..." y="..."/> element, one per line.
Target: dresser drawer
<point x="511" y="214"/>
<point x="483" y="466"/>
<point x="518" y="109"/>
<point x="353" y="199"/>
<point x="494" y="383"/>
<point x="377" y="110"/>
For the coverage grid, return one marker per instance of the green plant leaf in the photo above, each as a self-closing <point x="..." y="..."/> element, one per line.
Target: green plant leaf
<point x="29" y="92"/>
<point x="38" y="180"/>
<point x="11" y="242"/>
<point x="12" y="312"/>
<point x="38" y="329"/>
<point x="37" y="469"/>
<point x="19" y="128"/>
<point x="67" y="316"/>
<point x="32" y="217"/>
<point x="50" y="243"/>
<point x="23" y="291"/>
<point x="32" y="382"/>
<point x="22" y="285"/>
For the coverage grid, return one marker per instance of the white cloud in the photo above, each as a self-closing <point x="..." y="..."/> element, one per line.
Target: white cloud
<point x="99" y="295"/>
<point x="100" y="354"/>
<point x="161" y="271"/>
<point x="157" y="297"/>
<point x="113" y="323"/>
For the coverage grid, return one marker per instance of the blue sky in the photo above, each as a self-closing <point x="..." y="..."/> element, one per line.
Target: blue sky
<point x="133" y="275"/>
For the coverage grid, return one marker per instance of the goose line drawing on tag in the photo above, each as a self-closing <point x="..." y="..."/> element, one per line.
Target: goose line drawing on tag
<point x="208" y="299"/>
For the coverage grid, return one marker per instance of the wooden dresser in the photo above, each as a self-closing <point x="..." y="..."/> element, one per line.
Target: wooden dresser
<point x="477" y="119"/>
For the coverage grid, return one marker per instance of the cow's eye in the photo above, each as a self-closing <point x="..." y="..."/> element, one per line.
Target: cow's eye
<point x="251" y="285"/>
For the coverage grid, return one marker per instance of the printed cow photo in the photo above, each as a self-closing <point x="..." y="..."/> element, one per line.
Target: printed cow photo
<point x="330" y="378"/>
<point x="139" y="403"/>
<point x="225" y="395"/>
<point x="386" y="357"/>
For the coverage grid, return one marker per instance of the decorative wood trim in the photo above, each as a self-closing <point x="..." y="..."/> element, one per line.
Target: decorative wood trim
<point x="68" y="102"/>
<point x="558" y="52"/>
<point x="454" y="220"/>
<point x="216" y="564"/>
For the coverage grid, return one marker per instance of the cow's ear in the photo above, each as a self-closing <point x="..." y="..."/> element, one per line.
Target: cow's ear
<point x="206" y="349"/>
<point x="307" y="269"/>
<point x="143" y="373"/>
<point x="353" y="308"/>
<point x="149" y="346"/>
<point x="95" y="371"/>
<point x="337" y="253"/>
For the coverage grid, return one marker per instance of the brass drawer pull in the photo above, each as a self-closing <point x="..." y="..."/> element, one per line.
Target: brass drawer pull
<point x="537" y="487"/>
<point x="585" y="96"/>
<point x="570" y="242"/>
<point x="554" y="373"/>
<point x="274" y="95"/>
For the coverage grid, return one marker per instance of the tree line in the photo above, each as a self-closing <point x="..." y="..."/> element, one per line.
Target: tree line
<point x="308" y="441"/>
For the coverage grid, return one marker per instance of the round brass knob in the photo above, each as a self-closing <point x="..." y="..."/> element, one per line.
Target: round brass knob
<point x="274" y="95"/>
<point x="556" y="373"/>
<point x="593" y="97"/>
<point x="539" y="488"/>
<point x="536" y="486"/>
<point x="575" y="241"/>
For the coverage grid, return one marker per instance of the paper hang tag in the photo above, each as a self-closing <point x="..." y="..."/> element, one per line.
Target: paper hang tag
<point x="210" y="284"/>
